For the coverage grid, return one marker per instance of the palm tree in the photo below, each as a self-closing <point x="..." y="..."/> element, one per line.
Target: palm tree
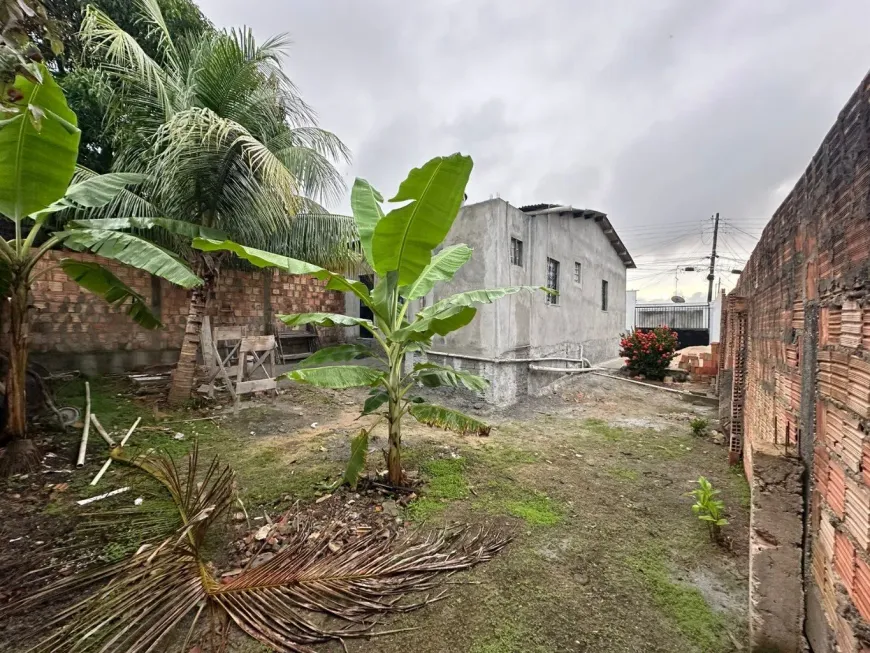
<point x="228" y="143"/>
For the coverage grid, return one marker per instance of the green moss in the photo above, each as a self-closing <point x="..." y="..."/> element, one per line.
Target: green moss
<point x="683" y="605"/>
<point x="623" y="473"/>
<point x="537" y="509"/>
<point x="425" y="508"/>
<point x="446" y="478"/>
<point x="445" y="481"/>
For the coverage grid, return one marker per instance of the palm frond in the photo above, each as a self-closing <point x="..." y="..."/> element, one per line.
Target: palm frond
<point x="327" y="240"/>
<point x="309" y="592"/>
<point x="447" y="418"/>
<point x="152" y="16"/>
<point x="197" y="143"/>
<point x="122" y="55"/>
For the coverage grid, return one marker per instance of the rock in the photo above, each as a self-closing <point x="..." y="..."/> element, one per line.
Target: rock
<point x="178" y="436"/>
<point x="261" y="559"/>
<point x="668" y="380"/>
<point x="718" y="438"/>
<point x="334" y="547"/>
<point x="262" y="532"/>
<point x="390" y="508"/>
<point x="323" y="498"/>
<point x="239" y="516"/>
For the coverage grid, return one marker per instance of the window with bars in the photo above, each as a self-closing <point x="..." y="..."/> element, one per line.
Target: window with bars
<point x="553" y="280"/>
<point x="578" y="273"/>
<point x="517" y="252"/>
<point x="603" y="295"/>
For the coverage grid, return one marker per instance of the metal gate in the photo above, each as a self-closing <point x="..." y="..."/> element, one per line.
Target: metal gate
<point x="690" y="321"/>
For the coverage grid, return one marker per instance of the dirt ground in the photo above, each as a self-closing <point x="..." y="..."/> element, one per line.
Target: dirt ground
<point x="591" y="483"/>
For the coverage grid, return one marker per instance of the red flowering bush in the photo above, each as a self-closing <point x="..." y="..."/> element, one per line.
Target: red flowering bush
<point x="649" y="352"/>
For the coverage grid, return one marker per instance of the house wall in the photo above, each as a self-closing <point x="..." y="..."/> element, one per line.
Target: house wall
<point x="800" y="403"/>
<point x="523" y="325"/>
<point x="74" y="329"/>
<point x="577" y="319"/>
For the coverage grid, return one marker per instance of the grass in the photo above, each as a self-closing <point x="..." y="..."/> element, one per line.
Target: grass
<point x="508" y="638"/>
<point x="744" y="491"/>
<point x="593" y="509"/>
<point x="602" y="429"/>
<point x="683" y="605"/>
<point x="623" y="473"/>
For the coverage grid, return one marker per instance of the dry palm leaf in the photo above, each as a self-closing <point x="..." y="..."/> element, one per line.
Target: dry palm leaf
<point x="307" y="593"/>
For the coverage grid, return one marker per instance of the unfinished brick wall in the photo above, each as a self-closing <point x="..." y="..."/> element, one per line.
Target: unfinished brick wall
<point x="70" y="327"/>
<point x="802" y="409"/>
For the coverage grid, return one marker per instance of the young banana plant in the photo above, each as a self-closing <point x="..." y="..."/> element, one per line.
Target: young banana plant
<point x="398" y="247"/>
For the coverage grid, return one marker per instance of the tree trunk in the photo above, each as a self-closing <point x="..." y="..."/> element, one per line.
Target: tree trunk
<point x="185" y="371"/>
<point x="394" y="456"/>
<point x="21" y="454"/>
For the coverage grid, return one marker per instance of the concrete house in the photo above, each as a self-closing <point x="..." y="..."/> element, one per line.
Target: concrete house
<point x="575" y="251"/>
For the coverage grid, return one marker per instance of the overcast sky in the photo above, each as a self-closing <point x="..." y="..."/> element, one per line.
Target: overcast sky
<point x="658" y="113"/>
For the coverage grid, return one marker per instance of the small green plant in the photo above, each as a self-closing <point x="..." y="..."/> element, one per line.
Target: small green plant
<point x="708" y="508"/>
<point x="699" y="426"/>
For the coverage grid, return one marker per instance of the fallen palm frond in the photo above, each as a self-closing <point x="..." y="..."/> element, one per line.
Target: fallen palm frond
<point x="154" y="600"/>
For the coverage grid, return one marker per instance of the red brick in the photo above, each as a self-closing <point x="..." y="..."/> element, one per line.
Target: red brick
<point x="844" y="560"/>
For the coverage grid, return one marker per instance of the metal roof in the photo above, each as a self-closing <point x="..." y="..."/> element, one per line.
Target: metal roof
<point x="588" y="214"/>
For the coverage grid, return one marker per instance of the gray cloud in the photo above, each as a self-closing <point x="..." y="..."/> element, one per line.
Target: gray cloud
<point x="659" y="113"/>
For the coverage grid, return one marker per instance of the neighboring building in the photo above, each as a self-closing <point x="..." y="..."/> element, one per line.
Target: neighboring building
<point x="575" y="251"/>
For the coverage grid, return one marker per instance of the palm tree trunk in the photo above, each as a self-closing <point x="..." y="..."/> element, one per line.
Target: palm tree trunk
<point x="185" y="371"/>
<point x="394" y="456"/>
<point x="21" y="454"/>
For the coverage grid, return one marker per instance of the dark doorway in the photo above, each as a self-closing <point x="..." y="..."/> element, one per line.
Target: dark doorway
<point x="364" y="311"/>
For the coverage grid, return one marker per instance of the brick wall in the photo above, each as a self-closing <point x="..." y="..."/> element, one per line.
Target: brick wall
<point x="805" y="408"/>
<point x="72" y="328"/>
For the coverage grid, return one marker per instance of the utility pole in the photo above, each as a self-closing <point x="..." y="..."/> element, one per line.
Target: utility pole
<point x="712" y="276"/>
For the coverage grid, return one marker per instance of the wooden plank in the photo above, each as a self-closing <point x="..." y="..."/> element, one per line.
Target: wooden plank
<point x="295" y="357"/>
<point x="223" y="372"/>
<point x="205" y="342"/>
<point x="256" y="343"/>
<point x="260" y="385"/>
<point x="228" y="333"/>
<point x="296" y="336"/>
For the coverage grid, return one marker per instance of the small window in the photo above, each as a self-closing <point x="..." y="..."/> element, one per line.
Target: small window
<point x="517" y="251"/>
<point x="578" y="273"/>
<point x="552" y="280"/>
<point x="603" y="295"/>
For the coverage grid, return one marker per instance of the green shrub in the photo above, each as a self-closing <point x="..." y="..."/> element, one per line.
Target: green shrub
<point x="699" y="426"/>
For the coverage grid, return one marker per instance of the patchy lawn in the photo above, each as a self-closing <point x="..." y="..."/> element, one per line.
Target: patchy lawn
<point x="592" y="484"/>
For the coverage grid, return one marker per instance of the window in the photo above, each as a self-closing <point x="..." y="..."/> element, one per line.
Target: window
<point x="517" y="252"/>
<point x="603" y="295"/>
<point x="578" y="273"/>
<point x="552" y="280"/>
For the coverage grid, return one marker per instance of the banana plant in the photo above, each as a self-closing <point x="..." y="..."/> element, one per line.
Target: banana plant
<point x="399" y="247"/>
<point x="38" y="149"/>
